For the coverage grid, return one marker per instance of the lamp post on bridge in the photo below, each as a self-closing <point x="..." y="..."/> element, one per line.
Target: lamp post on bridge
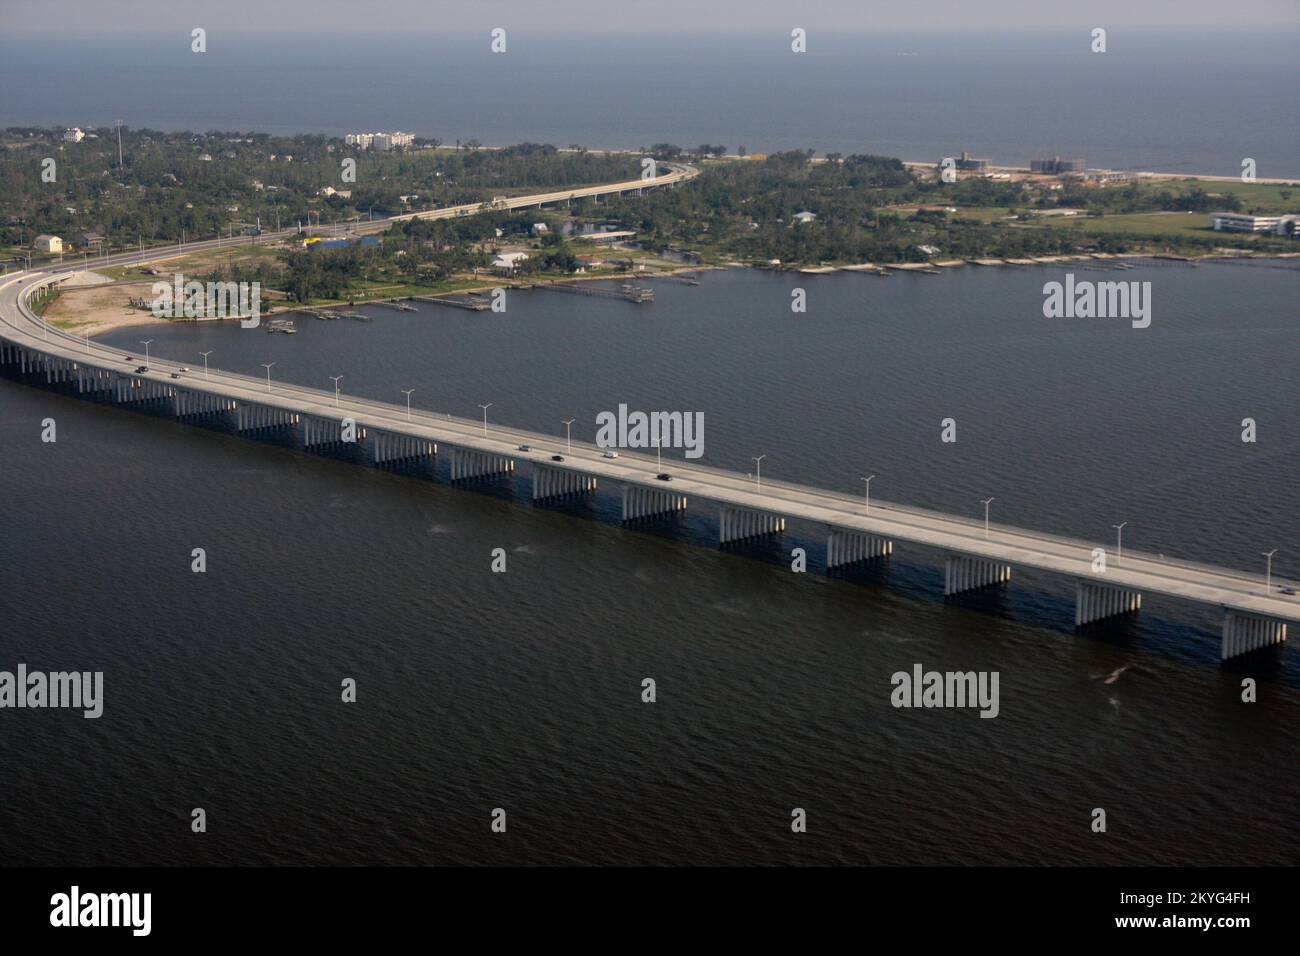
<point x="205" y="362"/>
<point x="267" y="366"/>
<point x="1119" y="542"/>
<point x="145" y="343"/>
<point x="758" y="471"/>
<point x="1268" y="570"/>
<point x="986" y="502"/>
<point x="868" y="493"/>
<point x="337" y="379"/>
<point x="407" y="392"/>
<point x="568" y="435"/>
<point x="485" y="408"/>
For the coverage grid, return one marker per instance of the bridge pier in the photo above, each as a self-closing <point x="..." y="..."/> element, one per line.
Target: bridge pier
<point x="639" y="502"/>
<point x="189" y="404"/>
<point x="1243" y="633"/>
<point x="739" y="524"/>
<point x="1093" y="602"/>
<point x="559" y="482"/>
<point x="255" y="418"/>
<point x="963" y="573"/>
<point x="850" y="547"/>
<point x="479" y="464"/>
<point x="385" y="447"/>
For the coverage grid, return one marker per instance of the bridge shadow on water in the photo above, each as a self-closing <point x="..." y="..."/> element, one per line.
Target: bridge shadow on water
<point x="1190" y="634"/>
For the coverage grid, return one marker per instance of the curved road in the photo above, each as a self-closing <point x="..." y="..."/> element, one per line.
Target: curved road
<point x="1139" y="572"/>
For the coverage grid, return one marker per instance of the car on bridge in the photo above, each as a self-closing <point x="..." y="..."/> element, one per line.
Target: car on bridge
<point x="557" y="458"/>
<point x="524" y="448"/>
<point x="611" y="453"/>
<point x="142" y="368"/>
<point x="664" y="476"/>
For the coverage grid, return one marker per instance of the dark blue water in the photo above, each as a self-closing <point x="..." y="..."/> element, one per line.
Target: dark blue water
<point x="1178" y="100"/>
<point x="481" y="690"/>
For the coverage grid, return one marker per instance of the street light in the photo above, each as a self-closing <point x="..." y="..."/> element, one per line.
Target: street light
<point x="868" y="494"/>
<point x="758" y="468"/>
<point x="205" y="361"/>
<point x="659" y="457"/>
<point x="146" y="353"/>
<point x="267" y="366"/>
<point x="337" y="379"/>
<point x="1268" y="570"/>
<point x="485" y="408"/>
<point x="987" y="502"/>
<point x="1119" y="542"/>
<point x="407" y="392"/>
<point x="568" y="435"/>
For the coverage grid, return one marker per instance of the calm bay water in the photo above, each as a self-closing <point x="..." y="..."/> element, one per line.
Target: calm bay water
<point x="522" y="690"/>
<point x="1177" y="100"/>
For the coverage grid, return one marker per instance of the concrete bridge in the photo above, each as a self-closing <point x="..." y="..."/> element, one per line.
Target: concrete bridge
<point x="380" y="434"/>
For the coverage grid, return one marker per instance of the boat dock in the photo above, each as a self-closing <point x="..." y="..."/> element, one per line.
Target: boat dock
<point x="626" y="292"/>
<point x="473" y="305"/>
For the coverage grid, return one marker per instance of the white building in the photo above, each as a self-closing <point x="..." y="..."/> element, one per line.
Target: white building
<point x="381" y="141"/>
<point x="507" y="262"/>
<point x="73" y="135"/>
<point x="1241" y="222"/>
<point x="802" y="217"/>
<point x="45" y="243"/>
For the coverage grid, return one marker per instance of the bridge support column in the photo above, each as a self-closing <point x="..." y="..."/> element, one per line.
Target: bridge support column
<point x="963" y="573"/>
<point x="639" y="502"/>
<point x="558" y="482"/>
<point x="385" y="447"/>
<point x="1243" y="633"/>
<point x="1093" y="602"/>
<point x="738" y="524"/>
<point x="850" y="547"/>
<point x="479" y="464"/>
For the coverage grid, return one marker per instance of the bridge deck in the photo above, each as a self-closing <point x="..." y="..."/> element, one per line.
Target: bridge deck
<point x="1016" y="546"/>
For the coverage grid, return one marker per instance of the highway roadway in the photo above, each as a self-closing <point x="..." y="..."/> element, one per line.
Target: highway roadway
<point x="1018" y="547"/>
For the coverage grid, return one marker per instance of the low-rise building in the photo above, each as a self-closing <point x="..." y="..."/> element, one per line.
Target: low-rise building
<point x="46" y="243"/>
<point x="73" y="135"/>
<point x="507" y="262"/>
<point x="1056" y="166"/>
<point x="1243" y="222"/>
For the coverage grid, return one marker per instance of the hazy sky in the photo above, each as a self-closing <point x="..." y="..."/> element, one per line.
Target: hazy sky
<point x="137" y="16"/>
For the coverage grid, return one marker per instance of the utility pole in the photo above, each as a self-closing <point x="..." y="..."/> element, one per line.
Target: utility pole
<point x="119" y="145"/>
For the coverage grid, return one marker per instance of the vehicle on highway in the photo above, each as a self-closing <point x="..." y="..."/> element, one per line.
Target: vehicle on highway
<point x="129" y="358"/>
<point x="1287" y="590"/>
<point x="664" y="476"/>
<point x="184" y="368"/>
<point x="611" y="454"/>
<point x="557" y="458"/>
<point x="525" y="448"/>
<point x="176" y="374"/>
<point x="142" y="368"/>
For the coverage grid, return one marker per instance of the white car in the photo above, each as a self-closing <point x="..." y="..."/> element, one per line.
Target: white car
<point x="611" y="453"/>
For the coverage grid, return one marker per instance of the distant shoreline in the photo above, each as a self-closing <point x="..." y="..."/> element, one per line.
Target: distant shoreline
<point x="1204" y="177"/>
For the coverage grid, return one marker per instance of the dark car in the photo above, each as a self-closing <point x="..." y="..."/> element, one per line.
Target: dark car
<point x="176" y="374"/>
<point x="142" y="368"/>
<point x="1287" y="590"/>
<point x="557" y="458"/>
<point x="664" y="476"/>
<point x="129" y="358"/>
